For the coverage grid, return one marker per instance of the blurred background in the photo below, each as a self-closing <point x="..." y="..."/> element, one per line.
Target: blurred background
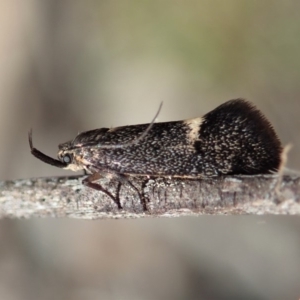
<point x="71" y="66"/>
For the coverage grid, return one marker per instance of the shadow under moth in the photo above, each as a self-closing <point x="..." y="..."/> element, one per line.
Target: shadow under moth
<point x="233" y="139"/>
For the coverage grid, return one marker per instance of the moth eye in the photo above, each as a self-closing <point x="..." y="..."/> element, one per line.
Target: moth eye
<point x="67" y="158"/>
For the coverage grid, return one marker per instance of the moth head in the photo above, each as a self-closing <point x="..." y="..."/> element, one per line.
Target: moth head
<point x="67" y="157"/>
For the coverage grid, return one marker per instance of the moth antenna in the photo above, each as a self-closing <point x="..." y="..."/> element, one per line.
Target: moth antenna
<point x="135" y="141"/>
<point x="43" y="157"/>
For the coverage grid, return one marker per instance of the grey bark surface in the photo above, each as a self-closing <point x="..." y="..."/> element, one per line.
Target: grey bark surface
<point x="169" y="197"/>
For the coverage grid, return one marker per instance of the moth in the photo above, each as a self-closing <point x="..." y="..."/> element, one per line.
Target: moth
<point x="234" y="138"/>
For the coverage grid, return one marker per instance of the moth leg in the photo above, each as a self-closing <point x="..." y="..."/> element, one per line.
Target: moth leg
<point x="88" y="181"/>
<point x="124" y="178"/>
<point x="121" y="180"/>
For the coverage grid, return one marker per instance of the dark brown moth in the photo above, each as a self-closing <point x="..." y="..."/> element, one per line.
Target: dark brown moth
<point x="234" y="138"/>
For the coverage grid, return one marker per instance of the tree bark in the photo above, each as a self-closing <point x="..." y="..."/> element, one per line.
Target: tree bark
<point x="156" y="197"/>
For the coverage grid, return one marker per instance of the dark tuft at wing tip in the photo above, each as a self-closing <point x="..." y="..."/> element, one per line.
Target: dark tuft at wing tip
<point x="240" y="123"/>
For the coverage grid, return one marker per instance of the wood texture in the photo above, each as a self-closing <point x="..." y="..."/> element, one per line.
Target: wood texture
<point x="169" y="197"/>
